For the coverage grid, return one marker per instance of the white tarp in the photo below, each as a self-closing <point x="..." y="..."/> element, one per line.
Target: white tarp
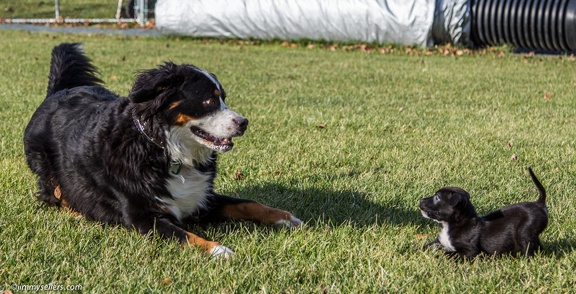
<point x="408" y="22"/>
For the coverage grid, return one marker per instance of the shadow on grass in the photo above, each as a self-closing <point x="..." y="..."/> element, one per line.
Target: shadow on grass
<point x="332" y="207"/>
<point x="558" y="248"/>
<point x="555" y="250"/>
<point x="344" y="207"/>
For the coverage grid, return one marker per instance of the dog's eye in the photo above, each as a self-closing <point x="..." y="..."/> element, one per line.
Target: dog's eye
<point x="209" y="102"/>
<point x="436" y="198"/>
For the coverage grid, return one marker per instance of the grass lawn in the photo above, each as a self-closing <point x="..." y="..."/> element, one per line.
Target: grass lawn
<point x="347" y="141"/>
<point x="68" y="9"/>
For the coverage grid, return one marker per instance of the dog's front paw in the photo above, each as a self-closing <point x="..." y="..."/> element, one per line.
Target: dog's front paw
<point x="433" y="245"/>
<point x="292" y="222"/>
<point x="221" y="251"/>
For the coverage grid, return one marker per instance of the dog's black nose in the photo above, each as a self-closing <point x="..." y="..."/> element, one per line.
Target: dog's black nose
<point x="422" y="202"/>
<point x="242" y="123"/>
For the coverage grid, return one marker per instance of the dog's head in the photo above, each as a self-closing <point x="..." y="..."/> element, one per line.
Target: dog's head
<point x="449" y="204"/>
<point x="191" y="102"/>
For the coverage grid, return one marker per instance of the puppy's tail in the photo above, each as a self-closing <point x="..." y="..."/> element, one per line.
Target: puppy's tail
<point x="542" y="198"/>
<point x="70" y="68"/>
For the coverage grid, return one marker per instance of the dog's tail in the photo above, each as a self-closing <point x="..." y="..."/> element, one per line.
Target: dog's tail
<point x="70" y="68"/>
<point x="542" y="198"/>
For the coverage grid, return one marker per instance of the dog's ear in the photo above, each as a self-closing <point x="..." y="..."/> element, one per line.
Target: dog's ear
<point x="465" y="195"/>
<point x="462" y="200"/>
<point x="458" y="197"/>
<point x="464" y="205"/>
<point x="150" y="83"/>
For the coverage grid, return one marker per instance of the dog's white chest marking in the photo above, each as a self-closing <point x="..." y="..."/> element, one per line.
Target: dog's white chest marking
<point x="444" y="239"/>
<point x="188" y="189"/>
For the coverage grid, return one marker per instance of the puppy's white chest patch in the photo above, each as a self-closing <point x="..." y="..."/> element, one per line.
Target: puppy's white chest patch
<point x="444" y="238"/>
<point x="188" y="189"/>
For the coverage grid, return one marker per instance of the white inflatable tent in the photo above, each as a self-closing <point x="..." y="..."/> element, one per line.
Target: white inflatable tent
<point x="405" y="22"/>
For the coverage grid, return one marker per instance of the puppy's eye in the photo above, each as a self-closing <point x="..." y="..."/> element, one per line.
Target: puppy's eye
<point x="436" y="198"/>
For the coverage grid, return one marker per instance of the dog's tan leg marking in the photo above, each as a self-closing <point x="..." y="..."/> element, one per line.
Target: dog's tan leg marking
<point x="210" y="247"/>
<point x="254" y="211"/>
<point x="64" y="204"/>
<point x="57" y="193"/>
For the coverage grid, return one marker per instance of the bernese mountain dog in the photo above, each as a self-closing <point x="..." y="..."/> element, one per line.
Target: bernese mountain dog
<point x="146" y="161"/>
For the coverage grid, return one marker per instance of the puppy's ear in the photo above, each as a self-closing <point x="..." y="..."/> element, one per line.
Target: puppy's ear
<point x="465" y="195"/>
<point x="462" y="200"/>
<point x="150" y="83"/>
<point x="465" y="206"/>
<point x="459" y="198"/>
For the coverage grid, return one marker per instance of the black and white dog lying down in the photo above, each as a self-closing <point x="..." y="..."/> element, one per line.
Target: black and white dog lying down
<point x="513" y="229"/>
<point x="146" y="161"/>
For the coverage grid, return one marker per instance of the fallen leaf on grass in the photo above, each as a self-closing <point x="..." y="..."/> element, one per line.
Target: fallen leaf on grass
<point x="514" y="157"/>
<point x="238" y="175"/>
<point x="166" y="281"/>
<point x="421" y="236"/>
<point x="288" y="44"/>
<point x="547" y="96"/>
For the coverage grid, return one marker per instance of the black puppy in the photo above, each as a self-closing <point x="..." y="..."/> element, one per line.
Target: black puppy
<point x="512" y="229"/>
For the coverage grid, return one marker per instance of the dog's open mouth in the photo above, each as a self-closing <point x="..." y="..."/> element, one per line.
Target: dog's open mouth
<point x="211" y="141"/>
<point x="424" y="213"/>
<point x="430" y="215"/>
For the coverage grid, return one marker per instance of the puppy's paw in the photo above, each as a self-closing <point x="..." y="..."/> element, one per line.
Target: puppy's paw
<point x="221" y="251"/>
<point x="291" y="223"/>
<point x="432" y="245"/>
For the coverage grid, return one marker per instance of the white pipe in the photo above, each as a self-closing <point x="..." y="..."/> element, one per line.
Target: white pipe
<point x="57" y="9"/>
<point x="119" y="9"/>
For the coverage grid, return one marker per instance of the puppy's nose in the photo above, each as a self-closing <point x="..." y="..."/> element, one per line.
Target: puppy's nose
<point x="422" y="202"/>
<point x="242" y="123"/>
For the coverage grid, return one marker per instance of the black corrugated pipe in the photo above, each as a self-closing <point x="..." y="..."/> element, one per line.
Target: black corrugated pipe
<point x="528" y="24"/>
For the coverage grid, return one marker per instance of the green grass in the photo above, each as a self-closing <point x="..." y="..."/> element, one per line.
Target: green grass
<point x="397" y="128"/>
<point x="68" y="9"/>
